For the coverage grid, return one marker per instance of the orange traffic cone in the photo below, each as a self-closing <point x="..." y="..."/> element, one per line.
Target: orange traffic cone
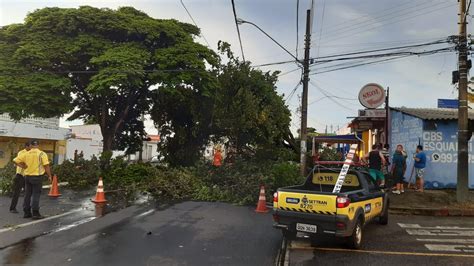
<point x="54" y="190"/>
<point x="100" y="195"/>
<point x="262" y="206"/>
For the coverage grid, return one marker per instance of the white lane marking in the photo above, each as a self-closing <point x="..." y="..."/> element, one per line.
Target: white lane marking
<point x="146" y="213"/>
<point x="417" y="226"/>
<point x="39" y="221"/>
<point x="436" y="232"/>
<point x="69" y="226"/>
<point x="450" y="248"/>
<point x="82" y="241"/>
<point x="441" y="240"/>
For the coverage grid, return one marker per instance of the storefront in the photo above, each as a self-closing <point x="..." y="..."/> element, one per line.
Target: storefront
<point x="436" y="130"/>
<point x="14" y="135"/>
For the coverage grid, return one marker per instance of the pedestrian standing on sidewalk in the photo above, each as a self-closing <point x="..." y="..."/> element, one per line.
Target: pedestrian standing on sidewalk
<point x="420" y="164"/>
<point x="18" y="181"/>
<point x="399" y="166"/>
<point x="376" y="161"/>
<point x="36" y="164"/>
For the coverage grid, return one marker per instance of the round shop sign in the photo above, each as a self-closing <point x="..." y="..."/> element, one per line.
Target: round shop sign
<point x="372" y="95"/>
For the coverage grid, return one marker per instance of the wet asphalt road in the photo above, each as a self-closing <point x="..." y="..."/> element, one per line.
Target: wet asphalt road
<point x="190" y="233"/>
<point x="406" y="240"/>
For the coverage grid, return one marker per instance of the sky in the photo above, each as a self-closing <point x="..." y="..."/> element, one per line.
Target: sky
<point x="339" y="27"/>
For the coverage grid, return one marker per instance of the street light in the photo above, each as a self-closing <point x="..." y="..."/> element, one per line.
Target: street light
<point x="241" y="21"/>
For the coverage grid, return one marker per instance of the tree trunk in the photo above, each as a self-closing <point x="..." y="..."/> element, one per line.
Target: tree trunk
<point x="108" y="142"/>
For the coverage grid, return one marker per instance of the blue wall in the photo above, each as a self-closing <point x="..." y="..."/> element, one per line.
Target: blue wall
<point x="440" y="146"/>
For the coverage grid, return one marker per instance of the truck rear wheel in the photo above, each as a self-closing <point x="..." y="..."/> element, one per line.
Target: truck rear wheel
<point x="355" y="240"/>
<point x="383" y="220"/>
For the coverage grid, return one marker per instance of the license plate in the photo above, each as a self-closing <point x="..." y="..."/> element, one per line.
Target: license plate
<point x="306" y="228"/>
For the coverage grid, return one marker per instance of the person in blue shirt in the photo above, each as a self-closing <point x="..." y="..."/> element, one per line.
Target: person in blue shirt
<point x="420" y="164"/>
<point x="399" y="167"/>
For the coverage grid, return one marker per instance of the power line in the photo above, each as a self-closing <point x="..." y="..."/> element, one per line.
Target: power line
<point x="329" y="97"/>
<point x="407" y="16"/>
<point x="386" y="14"/>
<point x="371" y="56"/>
<point x="351" y="21"/>
<point x="467" y="10"/>
<point x="195" y="24"/>
<point x="319" y="61"/>
<point x="292" y="93"/>
<point x="288" y="72"/>
<point x="321" y="28"/>
<point x="383" y="60"/>
<point x="238" y="30"/>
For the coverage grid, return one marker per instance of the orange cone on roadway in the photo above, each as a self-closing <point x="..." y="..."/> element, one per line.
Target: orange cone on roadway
<point x="54" y="190"/>
<point x="100" y="195"/>
<point x="262" y="201"/>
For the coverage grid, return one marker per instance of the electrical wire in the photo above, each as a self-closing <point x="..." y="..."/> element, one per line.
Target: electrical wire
<point x="467" y="11"/>
<point x="195" y="24"/>
<point x="321" y="28"/>
<point x="351" y="21"/>
<point x="385" y="15"/>
<point x="238" y="30"/>
<point x="288" y="72"/>
<point x="292" y="93"/>
<point x="320" y="61"/>
<point x="405" y="17"/>
<point x="329" y="96"/>
<point x="377" y="61"/>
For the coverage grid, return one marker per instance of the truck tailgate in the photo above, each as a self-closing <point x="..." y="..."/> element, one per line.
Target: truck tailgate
<point x="306" y="202"/>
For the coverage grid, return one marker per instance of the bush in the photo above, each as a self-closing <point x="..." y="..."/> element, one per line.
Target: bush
<point x="81" y="175"/>
<point x="6" y="178"/>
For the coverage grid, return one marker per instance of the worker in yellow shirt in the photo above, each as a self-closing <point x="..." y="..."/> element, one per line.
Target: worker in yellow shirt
<point x="18" y="181"/>
<point x="35" y="163"/>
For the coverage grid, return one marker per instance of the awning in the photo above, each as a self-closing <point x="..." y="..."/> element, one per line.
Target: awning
<point x="338" y="139"/>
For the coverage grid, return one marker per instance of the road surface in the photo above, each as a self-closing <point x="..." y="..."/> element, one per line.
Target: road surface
<point x="406" y="240"/>
<point x="189" y="233"/>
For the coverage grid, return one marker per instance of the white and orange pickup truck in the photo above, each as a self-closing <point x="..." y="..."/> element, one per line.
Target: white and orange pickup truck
<point x="315" y="209"/>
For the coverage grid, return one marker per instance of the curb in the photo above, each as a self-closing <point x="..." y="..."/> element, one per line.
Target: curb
<point x="433" y="211"/>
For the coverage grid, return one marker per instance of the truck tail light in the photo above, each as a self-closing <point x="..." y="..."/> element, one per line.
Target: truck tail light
<point x="275" y="197"/>
<point x="340" y="225"/>
<point x="342" y="202"/>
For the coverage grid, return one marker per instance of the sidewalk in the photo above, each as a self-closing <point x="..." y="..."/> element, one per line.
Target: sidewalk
<point x="430" y="202"/>
<point x="68" y="201"/>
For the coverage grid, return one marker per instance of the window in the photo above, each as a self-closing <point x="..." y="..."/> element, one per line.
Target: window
<point x="429" y="125"/>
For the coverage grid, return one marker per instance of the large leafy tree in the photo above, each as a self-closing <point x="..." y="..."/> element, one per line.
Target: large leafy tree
<point x="233" y="103"/>
<point x="248" y="112"/>
<point x="100" y="63"/>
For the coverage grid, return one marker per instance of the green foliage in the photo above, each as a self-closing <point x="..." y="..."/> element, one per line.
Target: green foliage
<point x="81" y="175"/>
<point x="235" y="103"/>
<point x="237" y="183"/>
<point x="248" y="111"/>
<point x="174" y="184"/>
<point x="329" y="154"/>
<point x="6" y="178"/>
<point x="107" y="59"/>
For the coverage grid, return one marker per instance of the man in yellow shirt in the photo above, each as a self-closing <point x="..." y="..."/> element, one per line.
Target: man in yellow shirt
<point x="18" y="181"/>
<point x="35" y="163"/>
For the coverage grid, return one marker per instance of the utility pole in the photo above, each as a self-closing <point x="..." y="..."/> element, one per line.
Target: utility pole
<point x="462" y="190"/>
<point x="304" y="98"/>
<point x="387" y="114"/>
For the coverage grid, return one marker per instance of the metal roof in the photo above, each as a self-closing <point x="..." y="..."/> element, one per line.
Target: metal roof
<point x="433" y="113"/>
